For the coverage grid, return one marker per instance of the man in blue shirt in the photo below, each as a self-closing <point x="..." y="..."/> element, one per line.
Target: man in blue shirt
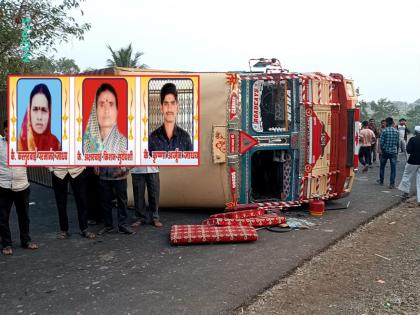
<point x="169" y="136"/>
<point x="389" y="150"/>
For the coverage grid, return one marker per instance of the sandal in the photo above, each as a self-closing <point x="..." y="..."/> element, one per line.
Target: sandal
<point x="88" y="235"/>
<point x="31" y="245"/>
<point x="7" y="251"/>
<point x="136" y="223"/>
<point x="63" y="235"/>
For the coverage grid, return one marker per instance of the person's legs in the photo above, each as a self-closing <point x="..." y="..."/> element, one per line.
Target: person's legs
<point x="21" y="200"/>
<point x="120" y="187"/>
<point x="373" y="152"/>
<point x="121" y="192"/>
<point x="139" y="189"/>
<point x="361" y="156"/>
<point x="60" y="187"/>
<point x="95" y="211"/>
<point x="6" y="202"/>
<point x="106" y="201"/>
<point x="383" y="161"/>
<point x="405" y="183"/>
<point x="364" y="159"/>
<point x="393" y="162"/>
<point x="153" y="193"/>
<point x="418" y="184"/>
<point x="369" y="155"/>
<point x="403" y="146"/>
<point x="79" y="187"/>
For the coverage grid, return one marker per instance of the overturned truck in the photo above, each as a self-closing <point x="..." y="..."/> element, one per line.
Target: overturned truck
<point x="281" y="138"/>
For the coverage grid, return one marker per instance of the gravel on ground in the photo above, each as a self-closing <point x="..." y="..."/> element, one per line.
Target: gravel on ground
<point x="375" y="270"/>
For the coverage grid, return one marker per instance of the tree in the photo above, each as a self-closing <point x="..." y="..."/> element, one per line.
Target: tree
<point x="88" y="69"/>
<point x="413" y="117"/>
<point x="48" y="65"/>
<point x="66" y="66"/>
<point x="402" y="106"/>
<point x="364" y="114"/>
<point x="124" y="58"/>
<point x="50" y="24"/>
<point x="42" y="65"/>
<point x="384" y="108"/>
<point x="416" y="102"/>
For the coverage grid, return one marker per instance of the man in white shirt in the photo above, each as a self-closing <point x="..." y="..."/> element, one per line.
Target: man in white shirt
<point x="14" y="189"/>
<point x="412" y="167"/>
<point x="403" y="133"/>
<point x="366" y="137"/>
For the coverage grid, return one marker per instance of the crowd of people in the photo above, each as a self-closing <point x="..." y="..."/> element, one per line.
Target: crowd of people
<point x="15" y="189"/>
<point x="386" y="142"/>
<point x="109" y="183"/>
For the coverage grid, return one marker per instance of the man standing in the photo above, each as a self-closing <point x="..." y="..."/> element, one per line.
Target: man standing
<point x="142" y="177"/>
<point x="367" y="137"/>
<point x="77" y="176"/>
<point x="389" y="151"/>
<point x="372" y="126"/>
<point x="169" y="136"/>
<point x="381" y="128"/>
<point x="380" y="131"/>
<point x="413" y="165"/>
<point x="403" y="135"/>
<point x="14" y="189"/>
<point x="113" y="183"/>
<point x="95" y="215"/>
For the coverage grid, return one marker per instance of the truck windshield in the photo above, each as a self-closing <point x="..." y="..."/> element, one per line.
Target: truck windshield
<point x="271" y="104"/>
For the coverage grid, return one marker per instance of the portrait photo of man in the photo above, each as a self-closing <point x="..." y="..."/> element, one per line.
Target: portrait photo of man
<point x="170" y="136"/>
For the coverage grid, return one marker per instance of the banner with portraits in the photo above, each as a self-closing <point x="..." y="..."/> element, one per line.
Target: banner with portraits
<point x="139" y="120"/>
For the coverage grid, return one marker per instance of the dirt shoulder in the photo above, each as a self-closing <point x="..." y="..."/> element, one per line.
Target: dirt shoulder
<point x="375" y="270"/>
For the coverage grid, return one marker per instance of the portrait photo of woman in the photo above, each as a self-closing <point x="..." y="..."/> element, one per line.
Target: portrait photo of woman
<point x="102" y="132"/>
<point x="35" y="132"/>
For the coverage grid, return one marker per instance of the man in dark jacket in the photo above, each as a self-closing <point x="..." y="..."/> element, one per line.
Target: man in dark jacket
<point x="413" y="165"/>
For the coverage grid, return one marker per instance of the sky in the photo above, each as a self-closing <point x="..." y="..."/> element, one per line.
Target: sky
<point x="375" y="43"/>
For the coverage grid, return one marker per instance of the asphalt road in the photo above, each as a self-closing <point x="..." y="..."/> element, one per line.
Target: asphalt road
<point x="143" y="274"/>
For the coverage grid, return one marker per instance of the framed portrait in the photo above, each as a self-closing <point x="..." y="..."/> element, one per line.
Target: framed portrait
<point x="171" y="108"/>
<point x="104" y="115"/>
<point x="39" y="113"/>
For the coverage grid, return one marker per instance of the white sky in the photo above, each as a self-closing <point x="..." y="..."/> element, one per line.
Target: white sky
<point x="377" y="43"/>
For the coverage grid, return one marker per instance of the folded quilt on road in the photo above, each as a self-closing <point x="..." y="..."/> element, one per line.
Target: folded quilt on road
<point x="263" y="220"/>
<point x="200" y="234"/>
<point x="240" y="214"/>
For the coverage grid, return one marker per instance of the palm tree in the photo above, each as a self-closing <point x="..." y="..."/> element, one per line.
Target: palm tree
<point x="124" y="58"/>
